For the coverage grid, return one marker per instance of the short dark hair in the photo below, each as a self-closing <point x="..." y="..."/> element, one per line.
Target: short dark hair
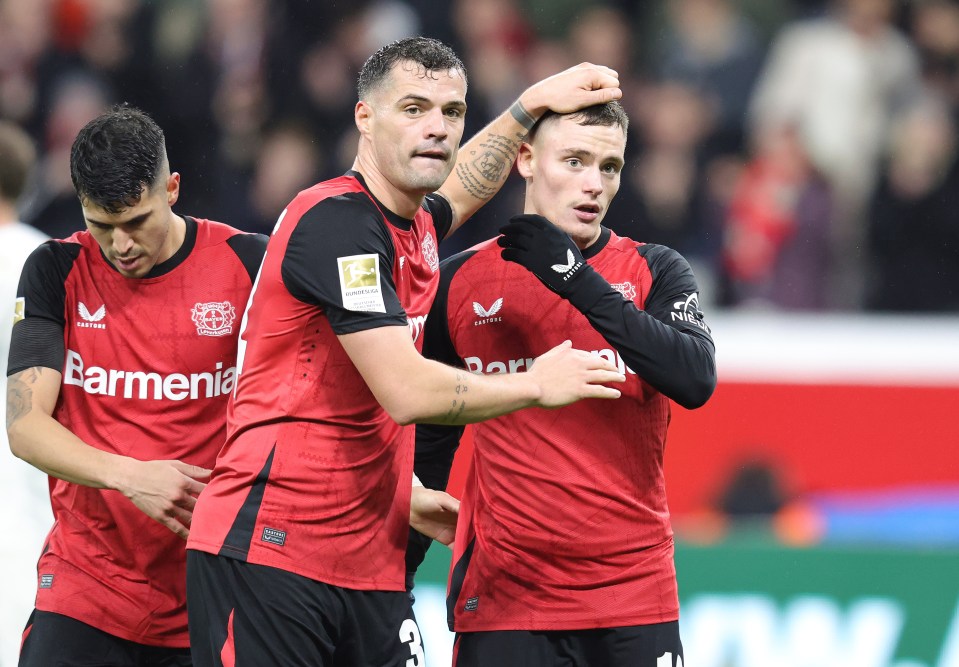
<point x="18" y="156"/>
<point x="430" y="54"/>
<point x="608" y="114"/>
<point x="115" y="156"/>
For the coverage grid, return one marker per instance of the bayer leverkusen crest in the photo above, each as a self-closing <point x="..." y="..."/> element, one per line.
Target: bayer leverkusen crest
<point x="214" y="318"/>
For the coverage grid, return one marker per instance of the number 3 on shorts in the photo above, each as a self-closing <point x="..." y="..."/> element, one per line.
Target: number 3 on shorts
<point x="410" y="634"/>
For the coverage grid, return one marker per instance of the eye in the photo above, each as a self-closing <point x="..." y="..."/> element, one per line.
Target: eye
<point x="99" y="226"/>
<point x="412" y="111"/>
<point x="574" y="162"/>
<point x="611" y="169"/>
<point x="454" y="113"/>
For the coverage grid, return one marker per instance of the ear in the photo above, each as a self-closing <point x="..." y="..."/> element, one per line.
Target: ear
<point x="173" y="188"/>
<point x="363" y="116"/>
<point x="524" y="160"/>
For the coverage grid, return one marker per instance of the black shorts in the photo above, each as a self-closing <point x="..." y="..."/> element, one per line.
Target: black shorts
<point x="54" y="640"/>
<point x="656" y="645"/>
<point x="246" y="615"/>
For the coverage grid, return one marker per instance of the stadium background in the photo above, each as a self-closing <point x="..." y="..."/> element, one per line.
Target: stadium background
<point x="801" y="154"/>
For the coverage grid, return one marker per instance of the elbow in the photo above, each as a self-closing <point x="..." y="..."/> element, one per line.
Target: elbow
<point x="699" y="391"/>
<point x="17" y="445"/>
<point x="403" y="412"/>
<point x="403" y="418"/>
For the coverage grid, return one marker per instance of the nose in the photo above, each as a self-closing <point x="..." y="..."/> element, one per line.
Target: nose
<point x="592" y="181"/>
<point x="122" y="241"/>
<point x="436" y="124"/>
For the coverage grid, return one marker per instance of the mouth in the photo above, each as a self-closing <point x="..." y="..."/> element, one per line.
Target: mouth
<point x="434" y="154"/>
<point x="127" y="263"/>
<point x="587" y="212"/>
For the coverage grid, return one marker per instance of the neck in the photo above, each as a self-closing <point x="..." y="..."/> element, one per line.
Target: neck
<point x="175" y="237"/>
<point x="402" y="203"/>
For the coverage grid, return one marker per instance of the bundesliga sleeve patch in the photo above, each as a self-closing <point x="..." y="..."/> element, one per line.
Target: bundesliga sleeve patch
<point x="18" y="309"/>
<point x="360" y="285"/>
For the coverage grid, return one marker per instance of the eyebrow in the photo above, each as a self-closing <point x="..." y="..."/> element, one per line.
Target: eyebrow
<point x="425" y="100"/>
<point x="135" y="220"/>
<point x="584" y="152"/>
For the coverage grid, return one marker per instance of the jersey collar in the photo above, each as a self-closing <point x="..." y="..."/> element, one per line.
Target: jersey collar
<point x="393" y="218"/>
<point x="163" y="268"/>
<point x="593" y="250"/>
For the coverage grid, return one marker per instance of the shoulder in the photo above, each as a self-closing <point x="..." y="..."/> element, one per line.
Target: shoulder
<point x="54" y="254"/>
<point x="344" y="211"/>
<point x="477" y="258"/>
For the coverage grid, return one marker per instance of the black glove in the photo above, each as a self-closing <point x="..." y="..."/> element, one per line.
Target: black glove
<point x="550" y="254"/>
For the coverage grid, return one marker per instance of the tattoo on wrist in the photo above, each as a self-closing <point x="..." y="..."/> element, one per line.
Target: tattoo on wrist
<point x="522" y="116"/>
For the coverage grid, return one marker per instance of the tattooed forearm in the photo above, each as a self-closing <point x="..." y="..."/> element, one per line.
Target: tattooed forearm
<point x="457" y="406"/>
<point x="488" y="166"/>
<point x="472" y="184"/>
<point x="20" y="393"/>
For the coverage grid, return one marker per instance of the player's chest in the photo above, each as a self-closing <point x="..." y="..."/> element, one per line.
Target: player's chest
<point x="183" y="317"/>
<point x="416" y="270"/>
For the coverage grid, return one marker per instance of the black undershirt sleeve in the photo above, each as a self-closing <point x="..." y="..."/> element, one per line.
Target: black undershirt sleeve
<point x="37" y="339"/>
<point x="439" y="207"/>
<point x="249" y="248"/>
<point x="436" y="445"/>
<point x="315" y="268"/>
<point x="667" y="343"/>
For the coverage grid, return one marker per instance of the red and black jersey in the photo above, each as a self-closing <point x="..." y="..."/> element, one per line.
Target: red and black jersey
<point x="147" y="368"/>
<point x="564" y="524"/>
<point x="315" y="475"/>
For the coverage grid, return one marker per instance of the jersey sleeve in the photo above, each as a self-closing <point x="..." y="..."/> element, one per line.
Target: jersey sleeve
<point x="340" y="258"/>
<point x="37" y="338"/>
<point x="439" y="207"/>
<point x="667" y="343"/>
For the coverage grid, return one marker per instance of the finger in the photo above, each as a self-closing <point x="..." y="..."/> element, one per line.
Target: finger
<point x="600" y="68"/>
<point x="187" y="502"/>
<point x="517" y="229"/>
<point x="514" y="241"/>
<point x="513" y="255"/>
<point x="450" y="504"/>
<point x="604" y="377"/>
<point x="193" y="487"/>
<point x="599" y="391"/>
<point x="604" y="95"/>
<point x="526" y="220"/>
<point x="596" y="362"/>
<point x="181" y="531"/>
<point x="182" y="516"/>
<point x="196" y="472"/>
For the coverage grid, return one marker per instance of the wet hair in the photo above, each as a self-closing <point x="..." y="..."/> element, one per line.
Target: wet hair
<point x="17" y="159"/>
<point x="115" y="156"/>
<point x="608" y="115"/>
<point x="430" y="54"/>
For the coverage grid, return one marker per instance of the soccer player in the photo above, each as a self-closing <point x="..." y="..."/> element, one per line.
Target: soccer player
<point x="120" y="369"/>
<point x="296" y="554"/>
<point x="563" y="551"/>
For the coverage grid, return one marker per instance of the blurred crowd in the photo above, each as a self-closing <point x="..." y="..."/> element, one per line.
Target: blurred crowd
<point x="801" y="154"/>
